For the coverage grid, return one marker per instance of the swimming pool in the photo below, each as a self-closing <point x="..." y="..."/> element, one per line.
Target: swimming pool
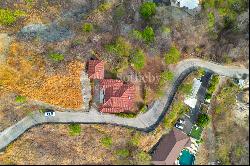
<point x="186" y="158"/>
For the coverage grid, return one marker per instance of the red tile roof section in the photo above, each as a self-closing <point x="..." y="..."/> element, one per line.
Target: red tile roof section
<point x="119" y="97"/>
<point x="96" y="69"/>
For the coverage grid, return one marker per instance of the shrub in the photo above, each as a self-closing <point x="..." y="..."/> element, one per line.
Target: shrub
<point x="121" y="47"/>
<point x="123" y="153"/>
<point x="165" y="77"/>
<point x="20" y="99"/>
<point x="126" y="115"/>
<point x="74" y="129"/>
<point x="143" y="158"/>
<point x="106" y="142"/>
<point x="135" y="140"/>
<point x="56" y="57"/>
<point x="203" y="120"/>
<point x="138" y="59"/>
<point x="213" y="83"/>
<point x="137" y="35"/>
<point x="8" y="17"/>
<point x="173" y="56"/>
<point x="148" y="35"/>
<point x="147" y="10"/>
<point x="211" y="21"/>
<point x="144" y="109"/>
<point x="166" y="30"/>
<point x="201" y="72"/>
<point x="87" y="27"/>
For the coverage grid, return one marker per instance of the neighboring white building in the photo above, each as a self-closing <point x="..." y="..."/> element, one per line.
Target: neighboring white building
<point x="191" y="100"/>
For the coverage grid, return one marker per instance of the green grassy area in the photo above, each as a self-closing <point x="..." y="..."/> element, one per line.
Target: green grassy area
<point x="87" y="27"/>
<point x="57" y="57"/>
<point x="20" y="99"/>
<point x="9" y="17"/>
<point x="196" y="132"/>
<point x="106" y="141"/>
<point x="74" y="129"/>
<point x="122" y="153"/>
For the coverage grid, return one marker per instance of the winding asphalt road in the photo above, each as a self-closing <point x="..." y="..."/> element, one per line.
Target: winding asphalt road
<point x="144" y="122"/>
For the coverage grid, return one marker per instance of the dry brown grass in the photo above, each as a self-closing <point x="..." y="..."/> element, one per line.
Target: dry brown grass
<point x="51" y="144"/>
<point x="25" y="74"/>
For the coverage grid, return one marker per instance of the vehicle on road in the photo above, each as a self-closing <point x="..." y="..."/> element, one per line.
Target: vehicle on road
<point x="49" y="112"/>
<point x="179" y="126"/>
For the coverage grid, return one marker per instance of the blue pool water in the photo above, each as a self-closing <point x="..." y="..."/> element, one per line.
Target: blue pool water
<point x="186" y="158"/>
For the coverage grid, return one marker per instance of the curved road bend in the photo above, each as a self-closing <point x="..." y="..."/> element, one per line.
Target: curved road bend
<point x="145" y="122"/>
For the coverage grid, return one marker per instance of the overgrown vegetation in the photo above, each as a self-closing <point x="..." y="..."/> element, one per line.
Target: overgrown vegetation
<point x="120" y="47"/>
<point x="212" y="86"/>
<point x="147" y="35"/>
<point x="226" y="99"/>
<point x="147" y="10"/>
<point x="174" y="114"/>
<point x="173" y="56"/>
<point x="9" y="17"/>
<point x="138" y="59"/>
<point x="228" y="10"/>
<point x="203" y="120"/>
<point x="166" y="77"/>
<point x="231" y="135"/>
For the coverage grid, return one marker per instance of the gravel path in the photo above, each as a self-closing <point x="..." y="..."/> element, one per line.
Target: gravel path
<point x="145" y="122"/>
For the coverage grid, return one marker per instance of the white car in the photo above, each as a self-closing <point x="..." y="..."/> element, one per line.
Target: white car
<point x="48" y="113"/>
<point x="178" y="126"/>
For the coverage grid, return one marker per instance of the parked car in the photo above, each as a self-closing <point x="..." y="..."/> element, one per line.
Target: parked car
<point x="181" y="121"/>
<point x="179" y="126"/>
<point x="49" y="112"/>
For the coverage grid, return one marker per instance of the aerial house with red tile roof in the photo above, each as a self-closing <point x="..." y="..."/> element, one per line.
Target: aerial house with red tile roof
<point x="110" y="95"/>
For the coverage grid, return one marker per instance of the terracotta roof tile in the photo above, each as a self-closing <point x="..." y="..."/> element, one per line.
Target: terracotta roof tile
<point x="96" y="69"/>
